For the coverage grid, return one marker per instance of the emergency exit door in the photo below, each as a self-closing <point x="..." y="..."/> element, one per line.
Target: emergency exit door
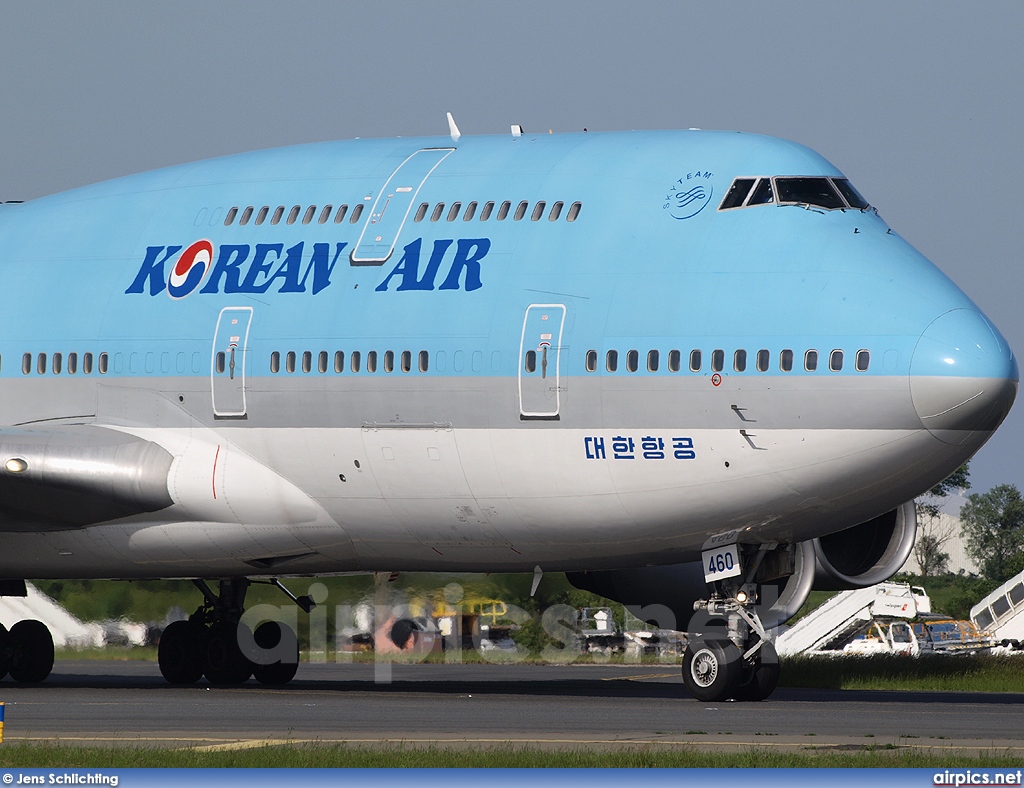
<point x="389" y="212"/>
<point x="540" y="353"/>
<point x="227" y="369"/>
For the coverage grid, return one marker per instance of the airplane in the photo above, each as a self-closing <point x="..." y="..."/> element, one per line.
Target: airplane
<point x="695" y="370"/>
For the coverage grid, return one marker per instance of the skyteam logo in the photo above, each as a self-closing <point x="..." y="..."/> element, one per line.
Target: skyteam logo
<point x="689" y="195"/>
<point x="191" y="269"/>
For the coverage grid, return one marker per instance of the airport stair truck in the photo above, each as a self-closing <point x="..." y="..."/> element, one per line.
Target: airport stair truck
<point x="827" y="627"/>
<point x="1001" y="613"/>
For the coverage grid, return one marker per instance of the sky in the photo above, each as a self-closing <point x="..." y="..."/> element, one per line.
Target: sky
<point x="918" y="102"/>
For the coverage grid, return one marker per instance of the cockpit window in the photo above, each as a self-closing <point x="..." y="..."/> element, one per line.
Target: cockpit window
<point x="809" y="191"/>
<point x="763" y="193"/>
<point x="819" y="192"/>
<point x="851" y="195"/>
<point x="737" y="193"/>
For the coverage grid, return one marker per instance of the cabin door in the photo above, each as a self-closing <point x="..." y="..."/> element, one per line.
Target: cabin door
<point x="227" y="369"/>
<point x="396" y="199"/>
<point x="540" y="358"/>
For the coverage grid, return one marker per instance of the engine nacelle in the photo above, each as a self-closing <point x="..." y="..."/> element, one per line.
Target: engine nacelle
<point x="854" y="558"/>
<point x="865" y="554"/>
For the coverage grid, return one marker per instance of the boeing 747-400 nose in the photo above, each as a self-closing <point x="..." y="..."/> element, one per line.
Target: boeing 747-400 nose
<point x="963" y="376"/>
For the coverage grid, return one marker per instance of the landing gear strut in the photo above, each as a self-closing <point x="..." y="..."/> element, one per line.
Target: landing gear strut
<point x="215" y="643"/>
<point x="729" y="654"/>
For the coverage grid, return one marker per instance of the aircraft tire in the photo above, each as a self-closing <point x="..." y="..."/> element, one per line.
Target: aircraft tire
<point x="180" y="653"/>
<point x="711" y="669"/>
<point x="5" y="651"/>
<point x="760" y="681"/>
<point x="269" y="635"/>
<point x="32" y="652"/>
<point x="223" y="660"/>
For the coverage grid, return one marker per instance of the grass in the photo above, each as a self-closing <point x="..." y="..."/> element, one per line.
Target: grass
<point x="961" y="673"/>
<point x="299" y="756"/>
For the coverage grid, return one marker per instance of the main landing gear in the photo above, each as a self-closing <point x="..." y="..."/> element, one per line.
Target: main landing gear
<point x="26" y="651"/>
<point x="729" y="655"/>
<point x="215" y="643"/>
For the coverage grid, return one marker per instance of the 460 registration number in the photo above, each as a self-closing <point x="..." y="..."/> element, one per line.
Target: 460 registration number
<point x="721" y="562"/>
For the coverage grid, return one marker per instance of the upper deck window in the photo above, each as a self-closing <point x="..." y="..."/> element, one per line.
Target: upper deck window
<point x="809" y="191"/>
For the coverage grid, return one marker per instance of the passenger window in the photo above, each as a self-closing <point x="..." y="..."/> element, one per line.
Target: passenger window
<point x="762" y="194"/>
<point x="421" y="212"/>
<point x="307" y="361"/>
<point x="371" y="361"/>
<point x="653" y="359"/>
<point x="695" y="360"/>
<point x="308" y="216"/>
<point x="574" y="211"/>
<point x="739" y="361"/>
<point x="289" y="362"/>
<point x="220" y="363"/>
<point x="737" y="193"/>
<point x="230" y="217"/>
<point x="632" y="361"/>
<point x="485" y="212"/>
<point x="438" y="210"/>
<point x="356" y="213"/>
<point x="293" y="214"/>
<point x="26" y="364"/>
<point x="72" y="363"/>
<point x="325" y="214"/>
<point x="275" y="362"/>
<point x="278" y="213"/>
<point x="811" y="360"/>
<point x="41" y="364"/>
<point x="424" y="361"/>
<point x="470" y="212"/>
<point x="675" y="359"/>
<point x="835" y="360"/>
<point x="406" y="361"/>
<point x="339" y="217"/>
<point x="786" y="360"/>
<point x="863" y="360"/>
<point x="321" y="361"/>
<point x="503" y="210"/>
<point x="87" y="364"/>
<point x="262" y="215"/>
<point x="531" y="360"/>
<point x="354" y="359"/>
<point x="611" y="360"/>
<point x="764" y="359"/>
<point x="389" y="361"/>
<point x="104" y="363"/>
<point x="717" y="360"/>
<point x="591" y="361"/>
<point x="453" y="213"/>
<point x="57" y="363"/>
<point x="246" y="214"/>
<point x="520" y="211"/>
<point x="556" y="211"/>
<point x="538" y="211"/>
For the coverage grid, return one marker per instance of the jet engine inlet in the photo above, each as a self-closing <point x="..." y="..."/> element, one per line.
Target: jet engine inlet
<point x="865" y="554"/>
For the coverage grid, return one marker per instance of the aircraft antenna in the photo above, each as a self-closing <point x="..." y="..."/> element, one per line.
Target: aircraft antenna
<point x="453" y="129"/>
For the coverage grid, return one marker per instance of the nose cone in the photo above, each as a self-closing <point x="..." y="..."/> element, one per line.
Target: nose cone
<point x="963" y="376"/>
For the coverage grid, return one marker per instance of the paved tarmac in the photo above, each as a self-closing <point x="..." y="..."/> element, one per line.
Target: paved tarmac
<point x="99" y="703"/>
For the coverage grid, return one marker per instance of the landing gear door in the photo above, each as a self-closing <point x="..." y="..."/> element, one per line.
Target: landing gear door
<point x="227" y="368"/>
<point x="396" y="199"/>
<point x="540" y="354"/>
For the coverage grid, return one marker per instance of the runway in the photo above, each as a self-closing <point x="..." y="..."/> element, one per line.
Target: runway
<point x="100" y="703"/>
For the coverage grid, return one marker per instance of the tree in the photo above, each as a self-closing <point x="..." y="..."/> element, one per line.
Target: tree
<point x="993" y="527"/>
<point x="933" y="533"/>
